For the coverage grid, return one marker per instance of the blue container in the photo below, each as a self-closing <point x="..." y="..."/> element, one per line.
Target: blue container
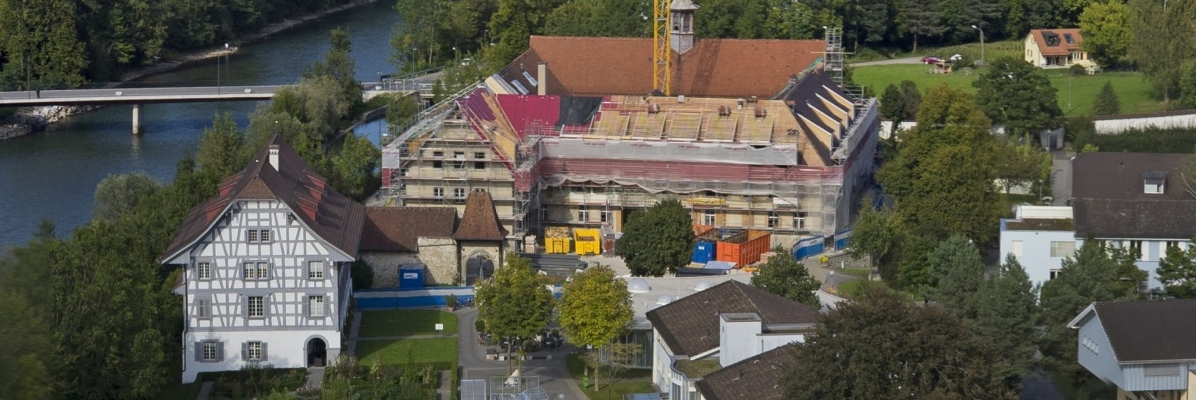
<point x="703" y="252"/>
<point x="411" y="277"/>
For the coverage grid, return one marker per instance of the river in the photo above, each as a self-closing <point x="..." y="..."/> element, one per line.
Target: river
<point x="53" y="174"/>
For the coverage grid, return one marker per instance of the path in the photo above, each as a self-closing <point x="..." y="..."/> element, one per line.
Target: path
<point x="1061" y="178"/>
<point x="471" y="357"/>
<point x="895" y="61"/>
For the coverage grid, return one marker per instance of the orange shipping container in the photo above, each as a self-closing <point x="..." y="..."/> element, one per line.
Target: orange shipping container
<point x="743" y="249"/>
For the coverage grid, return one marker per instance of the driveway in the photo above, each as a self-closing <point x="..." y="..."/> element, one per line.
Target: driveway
<point x="1061" y="177"/>
<point x="907" y="60"/>
<point x="471" y="357"/>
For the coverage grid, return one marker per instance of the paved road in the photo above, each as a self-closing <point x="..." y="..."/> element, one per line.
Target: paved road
<point x="1061" y="171"/>
<point x="908" y="60"/>
<point x="471" y="357"/>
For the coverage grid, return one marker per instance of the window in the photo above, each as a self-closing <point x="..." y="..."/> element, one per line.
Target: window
<point x="459" y="155"/>
<point x="255" y="351"/>
<point x="774" y="220"/>
<point x="1015" y="248"/>
<point x="258" y="235"/>
<point x="437" y="154"/>
<point x="1090" y="345"/>
<point x="315" y="270"/>
<point x="264" y="235"/>
<point x="437" y="164"/>
<point x="256" y="270"/>
<point x="479" y="155"/>
<point x="1160" y="370"/>
<point x="583" y="213"/>
<point x="459" y="193"/>
<point x="315" y="306"/>
<point x="203" y="307"/>
<point x="708" y="217"/>
<point x="799" y="221"/>
<point x="251" y="235"/>
<point x="1068" y="38"/>
<point x="204" y="270"/>
<point x="1154" y="186"/>
<point x="1054" y="273"/>
<point x="210" y="351"/>
<point x="604" y="216"/>
<point x="257" y="307"/>
<point x="1136" y="250"/>
<point x="1063" y="249"/>
<point x="479" y="165"/>
<point x="402" y="171"/>
<point x="438" y="192"/>
<point x="1172" y="245"/>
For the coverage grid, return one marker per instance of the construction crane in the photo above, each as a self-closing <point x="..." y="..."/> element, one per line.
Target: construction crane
<point x="661" y="60"/>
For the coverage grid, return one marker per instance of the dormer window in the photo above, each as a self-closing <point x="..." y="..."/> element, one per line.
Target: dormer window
<point x="1155" y="182"/>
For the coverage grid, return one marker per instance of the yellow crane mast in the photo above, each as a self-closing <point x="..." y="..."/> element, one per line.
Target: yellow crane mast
<point x="661" y="60"/>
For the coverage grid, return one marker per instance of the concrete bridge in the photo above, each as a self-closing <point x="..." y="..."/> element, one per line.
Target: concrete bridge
<point x="419" y="82"/>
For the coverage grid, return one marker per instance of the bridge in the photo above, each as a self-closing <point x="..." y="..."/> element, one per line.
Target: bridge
<point x="419" y="82"/>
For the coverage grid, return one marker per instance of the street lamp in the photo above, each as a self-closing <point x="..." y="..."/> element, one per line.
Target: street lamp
<point x="218" y="70"/>
<point x="981" y="43"/>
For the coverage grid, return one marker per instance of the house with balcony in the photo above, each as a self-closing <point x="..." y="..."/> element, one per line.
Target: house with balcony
<point x="265" y="268"/>
<point x="719" y="327"/>
<point x="1056" y="48"/>
<point x="1143" y="347"/>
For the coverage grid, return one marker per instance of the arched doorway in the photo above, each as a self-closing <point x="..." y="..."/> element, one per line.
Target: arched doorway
<point x="317" y="352"/>
<point x="478" y="266"/>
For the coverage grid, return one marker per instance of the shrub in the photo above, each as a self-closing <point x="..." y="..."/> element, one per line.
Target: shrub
<point x="362" y="274"/>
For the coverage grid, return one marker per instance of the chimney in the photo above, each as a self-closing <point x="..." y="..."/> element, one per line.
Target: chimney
<point x="542" y="76"/>
<point x="274" y="156"/>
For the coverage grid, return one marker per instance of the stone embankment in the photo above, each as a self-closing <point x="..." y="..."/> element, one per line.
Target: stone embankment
<point x="32" y="119"/>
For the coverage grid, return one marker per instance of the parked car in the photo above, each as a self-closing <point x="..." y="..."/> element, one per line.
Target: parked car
<point x="931" y="60"/>
<point x="956" y="57"/>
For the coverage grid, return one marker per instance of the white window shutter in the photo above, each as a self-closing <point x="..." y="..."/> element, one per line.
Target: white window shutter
<point x="327" y="305"/>
<point x="306" y="305"/>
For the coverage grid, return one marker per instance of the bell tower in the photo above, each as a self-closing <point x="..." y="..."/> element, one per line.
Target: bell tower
<point x="681" y="23"/>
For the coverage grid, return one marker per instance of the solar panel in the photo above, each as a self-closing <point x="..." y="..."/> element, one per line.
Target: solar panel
<point x="531" y="79"/>
<point x="519" y="87"/>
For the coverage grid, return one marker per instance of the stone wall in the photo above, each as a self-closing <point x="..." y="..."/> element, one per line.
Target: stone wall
<point x="490" y="248"/>
<point x="440" y="255"/>
<point x="386" y="267"/>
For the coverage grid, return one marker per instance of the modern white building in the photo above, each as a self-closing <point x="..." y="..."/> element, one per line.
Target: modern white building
<point x="266" y="268"/>
<point x="1039" y="237"/>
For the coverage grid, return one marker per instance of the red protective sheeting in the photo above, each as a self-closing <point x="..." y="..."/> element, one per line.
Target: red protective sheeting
<point x="526" y="111"/>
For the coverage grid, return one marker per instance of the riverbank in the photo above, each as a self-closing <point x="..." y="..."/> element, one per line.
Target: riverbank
<point x="28" y="120"/>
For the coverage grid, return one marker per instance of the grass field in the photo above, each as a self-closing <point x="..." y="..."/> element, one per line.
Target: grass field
<point x="628" y="381"/>
<point x="407" y="351"/>
<point x="405" y="323"/>
<point x="992" y="50"/>
<point x="1132" y="91"/>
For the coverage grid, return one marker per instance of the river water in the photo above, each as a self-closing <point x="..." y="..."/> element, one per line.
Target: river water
<point x="53" y="174"/>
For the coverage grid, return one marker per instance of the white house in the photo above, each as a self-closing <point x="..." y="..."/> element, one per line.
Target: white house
<point x="1145" y="348"/>
<point x="718" y="327"/>
<point x="266" y="267"/>
<point x="1039" y="237"/>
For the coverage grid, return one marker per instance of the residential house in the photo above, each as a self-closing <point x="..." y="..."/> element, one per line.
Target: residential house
<point x="1056" y="48"/>
<point x="1039" y="237"/>
<point x="717" y="327"/>
<point x="395" y="237"/>
<point x="265" y="267"/>
<point x="1142" y="347"/>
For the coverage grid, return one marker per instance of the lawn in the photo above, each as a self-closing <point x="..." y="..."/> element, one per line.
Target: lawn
<point x="405" y="323"/>
<point x="408" y="351"/>
<point x="992" y="50"/>
<point x="1134" y="93"/>
<point x="628" y="381"/>
<point x="862" y="273"/>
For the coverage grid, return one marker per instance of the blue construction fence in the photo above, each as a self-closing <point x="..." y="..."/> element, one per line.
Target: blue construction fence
<point x="379" y="299"/>
<point x="818" y="244"/>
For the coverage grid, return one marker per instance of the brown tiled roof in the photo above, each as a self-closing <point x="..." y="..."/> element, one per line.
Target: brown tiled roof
<point x="1064" y="48"/>
<point x="1109" y="200"/>
<point x="690" y="326"/>
<point x="480" y="221"/>
<point x="755" y="378"/>
<point x="330" y="215"/>
<point x="398" y="229"/>
<point x="600" y="66"/>
<point x="1142" y="331"/>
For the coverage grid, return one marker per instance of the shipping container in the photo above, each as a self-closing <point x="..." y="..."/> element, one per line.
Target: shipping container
<point x="586" y="241"/>
<point x="703" y="252"/>
<point x="744" y="248"/>
<point x="411" y="277"/>
<point x="557" y="245"/>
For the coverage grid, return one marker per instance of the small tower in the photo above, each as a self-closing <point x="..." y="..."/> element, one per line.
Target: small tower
<point x="681" y="21"/>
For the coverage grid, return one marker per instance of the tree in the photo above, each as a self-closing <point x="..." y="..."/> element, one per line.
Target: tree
<point x="1177" y="272"/>
<point x="1106" y="102"/>
<point x="922" y="19"/>
<point x="877" y="236"/>
<point x="956" y="273"/>
<point x="784" y="276"/>
<point x="24" y="332"/>
<point x="595" y="309"/>
<point x="884" y="347"/>
<point x="514" y="304"/>
<point x="118" y="195"/>
<point x="41" y="39"/>
<point x="1021" y="165"/>
<point x="1019" y="96"/>
<point x="658" y="240"/>
<point x="1107" y="33"/>
<point x="339" y="66"/>
<point x="899" y="104"/>
<point x="353" y="167"/>
<point x="1161" y="45"/>
<point x="599" y="18"/>
<point x="1006" y="311"/>
<point x="222" y="150"/>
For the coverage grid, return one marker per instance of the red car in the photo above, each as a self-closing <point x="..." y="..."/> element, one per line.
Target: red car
<point x="931" y="60"/>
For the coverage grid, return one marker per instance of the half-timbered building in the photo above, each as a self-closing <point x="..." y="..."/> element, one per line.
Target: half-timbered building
<point x="266" y="267"/>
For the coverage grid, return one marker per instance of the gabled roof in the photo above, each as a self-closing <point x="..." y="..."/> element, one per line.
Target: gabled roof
<point x="1062" y="47"/>
<point x="755" y="378"/>
<point x="398" y="229"/>
<point x="480" y="221"/>
<point x="330" y="215"/>
<point x="690" y="326"/>
<point x="1145" y="331"/>
<point x="600" y="66"/>
<point x="1110" y="200"/>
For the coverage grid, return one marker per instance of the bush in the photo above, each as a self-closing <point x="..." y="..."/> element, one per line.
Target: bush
<point x="1077" y="70"/>
<point x="451" y="301"/>
<point x="253" y="381"/>
<point x="1148" y="140"/>
<point x="362" y="274"/>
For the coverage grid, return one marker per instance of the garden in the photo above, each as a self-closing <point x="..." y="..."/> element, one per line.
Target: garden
<point x="614" y="383"/>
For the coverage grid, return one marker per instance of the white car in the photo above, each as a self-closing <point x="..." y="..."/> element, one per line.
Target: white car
<point x="956" y="57"/>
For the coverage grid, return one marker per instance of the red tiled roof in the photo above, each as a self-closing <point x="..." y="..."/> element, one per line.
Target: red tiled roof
<point x="1063" y="48"/>
<point x="480" y="221"/>
<point x="330" y="215"/>
<point x="599" y="66"/>
<point x="398" y="229"/>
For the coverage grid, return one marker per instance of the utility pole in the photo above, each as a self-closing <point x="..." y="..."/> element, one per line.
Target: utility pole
<point x="981" y="43"/>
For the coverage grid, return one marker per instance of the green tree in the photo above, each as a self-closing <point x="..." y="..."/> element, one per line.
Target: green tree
<point x="1107" y="33"/>
<point x="784" y="276"/>
<point x="117" y="195"/>
<point x="657" y="241"/>
<point x="353" y="167"/>
<point x="222" y="150"/>
<point x="600" y="18"/>
<point x="595" y="308"/>
<point x="896" y="349"/>
<point x="877" y="236"/>
<point x="40" y="40"/>
<point x="1019" y="96"/>
<point x="1106" y="102"/>
<point x="956" y="274"/>
<point x="1021" y="164"/>
<point x="1006" y="312"/>
<point x="339" y="66"/>
<point x="514" y="304"/>
<point x="1161" y="46"/>
<point x="900" y="104"/>
<point x="514" y="22"/>
<point x="1177" y="272"/>
<point x="26" y="336"/>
